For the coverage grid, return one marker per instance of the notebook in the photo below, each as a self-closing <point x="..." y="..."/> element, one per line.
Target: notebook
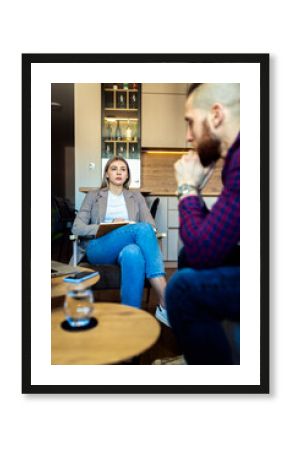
<point x="105" y="228"/>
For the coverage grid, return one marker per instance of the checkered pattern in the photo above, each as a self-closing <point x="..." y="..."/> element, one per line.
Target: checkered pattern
<point x="210" y="236"/>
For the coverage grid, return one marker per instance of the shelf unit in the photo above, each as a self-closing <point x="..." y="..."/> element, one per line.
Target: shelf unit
<point x="121" y="116"/>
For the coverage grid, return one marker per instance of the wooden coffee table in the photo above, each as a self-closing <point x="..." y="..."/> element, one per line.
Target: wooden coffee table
<point x="122" y="332"/>
<point x="59" y="287"/>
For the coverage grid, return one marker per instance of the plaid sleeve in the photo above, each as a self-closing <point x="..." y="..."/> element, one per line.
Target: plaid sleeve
<point x="208" y="238"/>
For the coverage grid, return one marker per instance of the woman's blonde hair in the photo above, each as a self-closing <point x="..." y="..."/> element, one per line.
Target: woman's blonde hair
<point x="105" y="180"/>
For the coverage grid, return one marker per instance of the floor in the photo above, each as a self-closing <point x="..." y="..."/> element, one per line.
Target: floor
<point x="166" y="345"/>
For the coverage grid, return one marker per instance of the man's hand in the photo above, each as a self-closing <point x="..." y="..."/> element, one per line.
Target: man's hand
<point x="189" y="170"/>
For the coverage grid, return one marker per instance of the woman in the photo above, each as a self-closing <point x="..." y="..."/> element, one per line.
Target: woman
<point x="133" y="246"/>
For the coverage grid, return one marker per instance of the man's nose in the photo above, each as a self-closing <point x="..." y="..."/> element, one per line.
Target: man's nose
<point x="189" y="136"/>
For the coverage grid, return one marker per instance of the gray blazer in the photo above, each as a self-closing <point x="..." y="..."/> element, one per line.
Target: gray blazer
<point x="93" y="210"/>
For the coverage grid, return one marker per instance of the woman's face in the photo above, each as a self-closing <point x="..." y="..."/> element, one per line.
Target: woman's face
<point x="117" y="173"/>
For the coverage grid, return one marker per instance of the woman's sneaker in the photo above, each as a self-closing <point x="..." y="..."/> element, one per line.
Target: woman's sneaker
<point x="161" y="315"/>
<point x="174" y="360"/>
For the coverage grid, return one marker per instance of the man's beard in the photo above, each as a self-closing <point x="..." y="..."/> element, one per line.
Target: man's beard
<point x="209" y="148"/>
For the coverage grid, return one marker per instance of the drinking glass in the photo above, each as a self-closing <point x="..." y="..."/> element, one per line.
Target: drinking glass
<point x="78" y="307"/>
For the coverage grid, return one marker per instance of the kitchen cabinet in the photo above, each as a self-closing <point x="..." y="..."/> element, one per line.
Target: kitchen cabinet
<point x="167" y="221"/>
<point x="164" y="88"/>
<point x="163" y="124"/>
<point x="161" y="221"/>
<point x="174" y="242"/>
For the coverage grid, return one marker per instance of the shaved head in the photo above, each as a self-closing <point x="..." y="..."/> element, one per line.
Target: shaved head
<point x="212" y="113"/>
<point x="205" y="95"/>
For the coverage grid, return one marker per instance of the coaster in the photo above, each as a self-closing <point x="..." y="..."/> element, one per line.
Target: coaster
<point x="67" y="327"/>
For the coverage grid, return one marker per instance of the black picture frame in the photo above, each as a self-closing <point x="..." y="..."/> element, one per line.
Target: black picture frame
<point x="260" y="59"/>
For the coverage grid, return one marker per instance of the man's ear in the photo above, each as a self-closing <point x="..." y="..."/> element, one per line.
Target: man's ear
<point x="217" y="115"/>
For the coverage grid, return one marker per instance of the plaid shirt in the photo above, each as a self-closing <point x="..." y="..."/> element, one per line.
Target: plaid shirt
<point x="209" y="237"/>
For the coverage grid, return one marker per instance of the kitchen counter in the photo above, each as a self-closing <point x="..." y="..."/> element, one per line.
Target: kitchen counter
<point x="85" y="190"/>
<point x="151" y="193"/>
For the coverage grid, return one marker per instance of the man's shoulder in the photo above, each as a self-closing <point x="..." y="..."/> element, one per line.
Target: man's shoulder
<point x="231" y="169"/>
<point x="234" y="154"/>
<point x="232" y="176"/>
<point x="232" y="163"/>
<point x="235" y="160"/>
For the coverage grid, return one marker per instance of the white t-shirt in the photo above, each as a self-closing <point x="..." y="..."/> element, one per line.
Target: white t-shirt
<point x="116" y="208"/>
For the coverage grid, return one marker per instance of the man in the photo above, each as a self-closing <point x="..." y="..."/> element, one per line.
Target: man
<point x="200" y="296"/>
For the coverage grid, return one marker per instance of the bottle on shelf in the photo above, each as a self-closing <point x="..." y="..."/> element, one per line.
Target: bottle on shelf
<point x="118" y="134"/>
<point x="121" y="100"/>
<point x="125" y="85"/>
<point x="133" y="100"/>
<point x="109" y="152"/>
<point x="135" y="132"/>
<point x="133" y="151"/>
<point x="128" y="131"/>
<point x="121" y="149"/>
<point x="108" y="131"/>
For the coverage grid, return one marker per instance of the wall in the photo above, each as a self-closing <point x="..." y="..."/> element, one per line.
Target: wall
<point x="158" y="173"/>
<point x="69" y="173"/>
<point x="62" y="141"/>
<point x="87" y="137"/>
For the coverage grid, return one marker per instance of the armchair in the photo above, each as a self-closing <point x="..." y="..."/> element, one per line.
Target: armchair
<point x="110" y="274"/>
<point x="63" y="218"/>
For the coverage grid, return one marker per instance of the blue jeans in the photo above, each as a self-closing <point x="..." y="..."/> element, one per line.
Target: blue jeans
<point x="136" y="249"/>
<point x="197" y="302"/>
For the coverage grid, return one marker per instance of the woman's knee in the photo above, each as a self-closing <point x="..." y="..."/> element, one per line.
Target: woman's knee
<point x="131" y="254"/>
<point x="144" y="228"/>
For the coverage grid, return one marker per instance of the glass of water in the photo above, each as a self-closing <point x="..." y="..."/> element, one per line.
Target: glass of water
<point x="78" y="307"/>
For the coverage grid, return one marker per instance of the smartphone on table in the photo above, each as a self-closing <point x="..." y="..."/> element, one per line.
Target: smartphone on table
<point x="79" y="277"/>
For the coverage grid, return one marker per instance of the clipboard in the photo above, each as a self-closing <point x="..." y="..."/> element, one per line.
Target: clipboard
<point x="105" y="228"/>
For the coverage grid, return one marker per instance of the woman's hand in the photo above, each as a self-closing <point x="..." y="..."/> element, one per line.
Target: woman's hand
<point x="119" y="219"/>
